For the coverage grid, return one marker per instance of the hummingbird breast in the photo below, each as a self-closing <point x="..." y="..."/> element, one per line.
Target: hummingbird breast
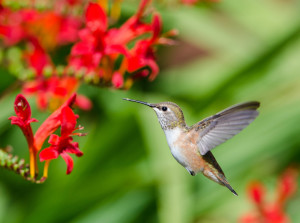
<point x="184" y="149"/>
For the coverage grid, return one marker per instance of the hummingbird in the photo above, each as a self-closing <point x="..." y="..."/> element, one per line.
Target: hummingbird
<point x="191" y="145"/>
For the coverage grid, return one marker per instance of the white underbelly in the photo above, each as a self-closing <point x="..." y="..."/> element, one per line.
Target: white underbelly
<point x="172" y="136"/>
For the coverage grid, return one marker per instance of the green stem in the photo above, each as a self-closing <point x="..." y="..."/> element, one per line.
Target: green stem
<point x="18" y="166"/>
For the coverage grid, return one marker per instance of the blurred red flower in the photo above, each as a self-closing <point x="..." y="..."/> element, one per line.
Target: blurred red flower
<point x="101" y="47"/>
<point x="96" y="42"/>
<point x="103" y="55"/>
<point x="271" y="212"/>
<point x="53" y="91"/>
<point x="49" y="28"/>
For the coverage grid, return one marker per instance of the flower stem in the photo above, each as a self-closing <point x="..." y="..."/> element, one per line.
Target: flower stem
<point x="33" y="163"/>
<point x="15" y="164"/>
<point x="46" y="166"/>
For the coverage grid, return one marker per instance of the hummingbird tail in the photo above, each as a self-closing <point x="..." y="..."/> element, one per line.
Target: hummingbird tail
<point x="215" y="173"/>
<point x="219" y="178"/>
<point x="226" y="184"/>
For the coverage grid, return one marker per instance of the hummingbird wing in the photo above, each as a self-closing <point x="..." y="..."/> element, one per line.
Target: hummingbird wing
<point x="220" y="127"/>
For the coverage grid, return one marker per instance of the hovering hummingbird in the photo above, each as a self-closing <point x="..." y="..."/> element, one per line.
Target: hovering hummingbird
<point x="191" y="146"/>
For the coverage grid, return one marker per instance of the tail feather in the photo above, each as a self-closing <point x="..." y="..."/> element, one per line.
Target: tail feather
<point x="214" y="172"/>
<point x="226" y="184"/>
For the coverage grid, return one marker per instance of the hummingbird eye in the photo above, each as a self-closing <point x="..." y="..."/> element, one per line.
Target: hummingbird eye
<point x="164" y="108"/>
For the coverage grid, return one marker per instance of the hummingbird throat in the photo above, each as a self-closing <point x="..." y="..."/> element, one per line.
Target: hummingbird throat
<point x="168" y="120"/>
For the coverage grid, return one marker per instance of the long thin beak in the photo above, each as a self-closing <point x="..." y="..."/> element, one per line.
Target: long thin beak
<point x="141" y="102"/>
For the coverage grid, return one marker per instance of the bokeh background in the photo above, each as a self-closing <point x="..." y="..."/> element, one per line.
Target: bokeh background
<point x="227" y="52"/>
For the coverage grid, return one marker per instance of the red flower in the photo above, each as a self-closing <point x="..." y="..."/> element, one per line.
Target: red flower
<point x="287" y="185"/>
<point x="143" y="53"/>
<point x="63" y="117"/>
<point x="23" y="112"/>
<point x="54" y="91"/>
<point x="256" y="192"/>
<point x="36" y="56"/>
<point x="62" y="145"/>
<point x="273" y="212"/>
<point x="48" y="27"/>
<point x="11" y="28"/>
<point x="51" y="124"/>
<point x="23" y="120"/>
<point x="100" y="47"/>
<point x="94" y="44"/>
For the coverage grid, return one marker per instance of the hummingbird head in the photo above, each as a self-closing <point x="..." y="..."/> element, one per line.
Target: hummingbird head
<point x="169" y="114"/>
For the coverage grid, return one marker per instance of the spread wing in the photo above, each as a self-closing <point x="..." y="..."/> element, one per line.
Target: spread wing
<point x="220" y="127"/>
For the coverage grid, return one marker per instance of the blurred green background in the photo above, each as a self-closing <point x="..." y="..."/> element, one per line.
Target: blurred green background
<point x="227" y="52"/>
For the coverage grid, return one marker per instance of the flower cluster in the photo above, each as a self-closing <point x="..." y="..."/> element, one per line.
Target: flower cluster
<point x="99" y="53"/>
<point x="100" y="48"/>
<point x="64" y="118"/>
<point x="41" y="32"/>
<point x="271" y="212"/>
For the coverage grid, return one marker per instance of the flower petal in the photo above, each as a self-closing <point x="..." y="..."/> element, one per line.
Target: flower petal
<point x="53" y="139"/>
<point x="22" y="108"/>
<point x="74" y="148"/>
<point x="51" y="124"/>
<point x="37" y="58"/>
<point x="16" y="121"/>
<point x="68" y="121"/>
<point x="83" y="103"/>
<point x="48" y="154"/>
<point x="142" y="8"/>
<point x="69" y="161"/>
<point x="117" y="80"/>
<point x="256" y="192"/>
<point x="82" y="48"/>
<point x="96" y="18"/>
<point x="117" y="49"/>
<point x="156" y="24"/>
<point x="287" y="185"/>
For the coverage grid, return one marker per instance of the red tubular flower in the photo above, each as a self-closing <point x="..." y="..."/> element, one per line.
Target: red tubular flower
<point x="11" y="29"/>
<point x="54" y="91"/>
<point x="142" y="54"/>
<point x="23" y="120"/>
<point x="51" y="124"/>
<point x="287" y="185"/>
<point x="94" y="44"/>
<point x="36" y="57"/>
<point x="132" y="28"/>
<point x="23" y="112"/>
<point x="62" y="145"/>
<point x="271" y="212"/>
<point x="256" y="192"/>
<point x="100" y="47"/>
<point x="48" y="27"/>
